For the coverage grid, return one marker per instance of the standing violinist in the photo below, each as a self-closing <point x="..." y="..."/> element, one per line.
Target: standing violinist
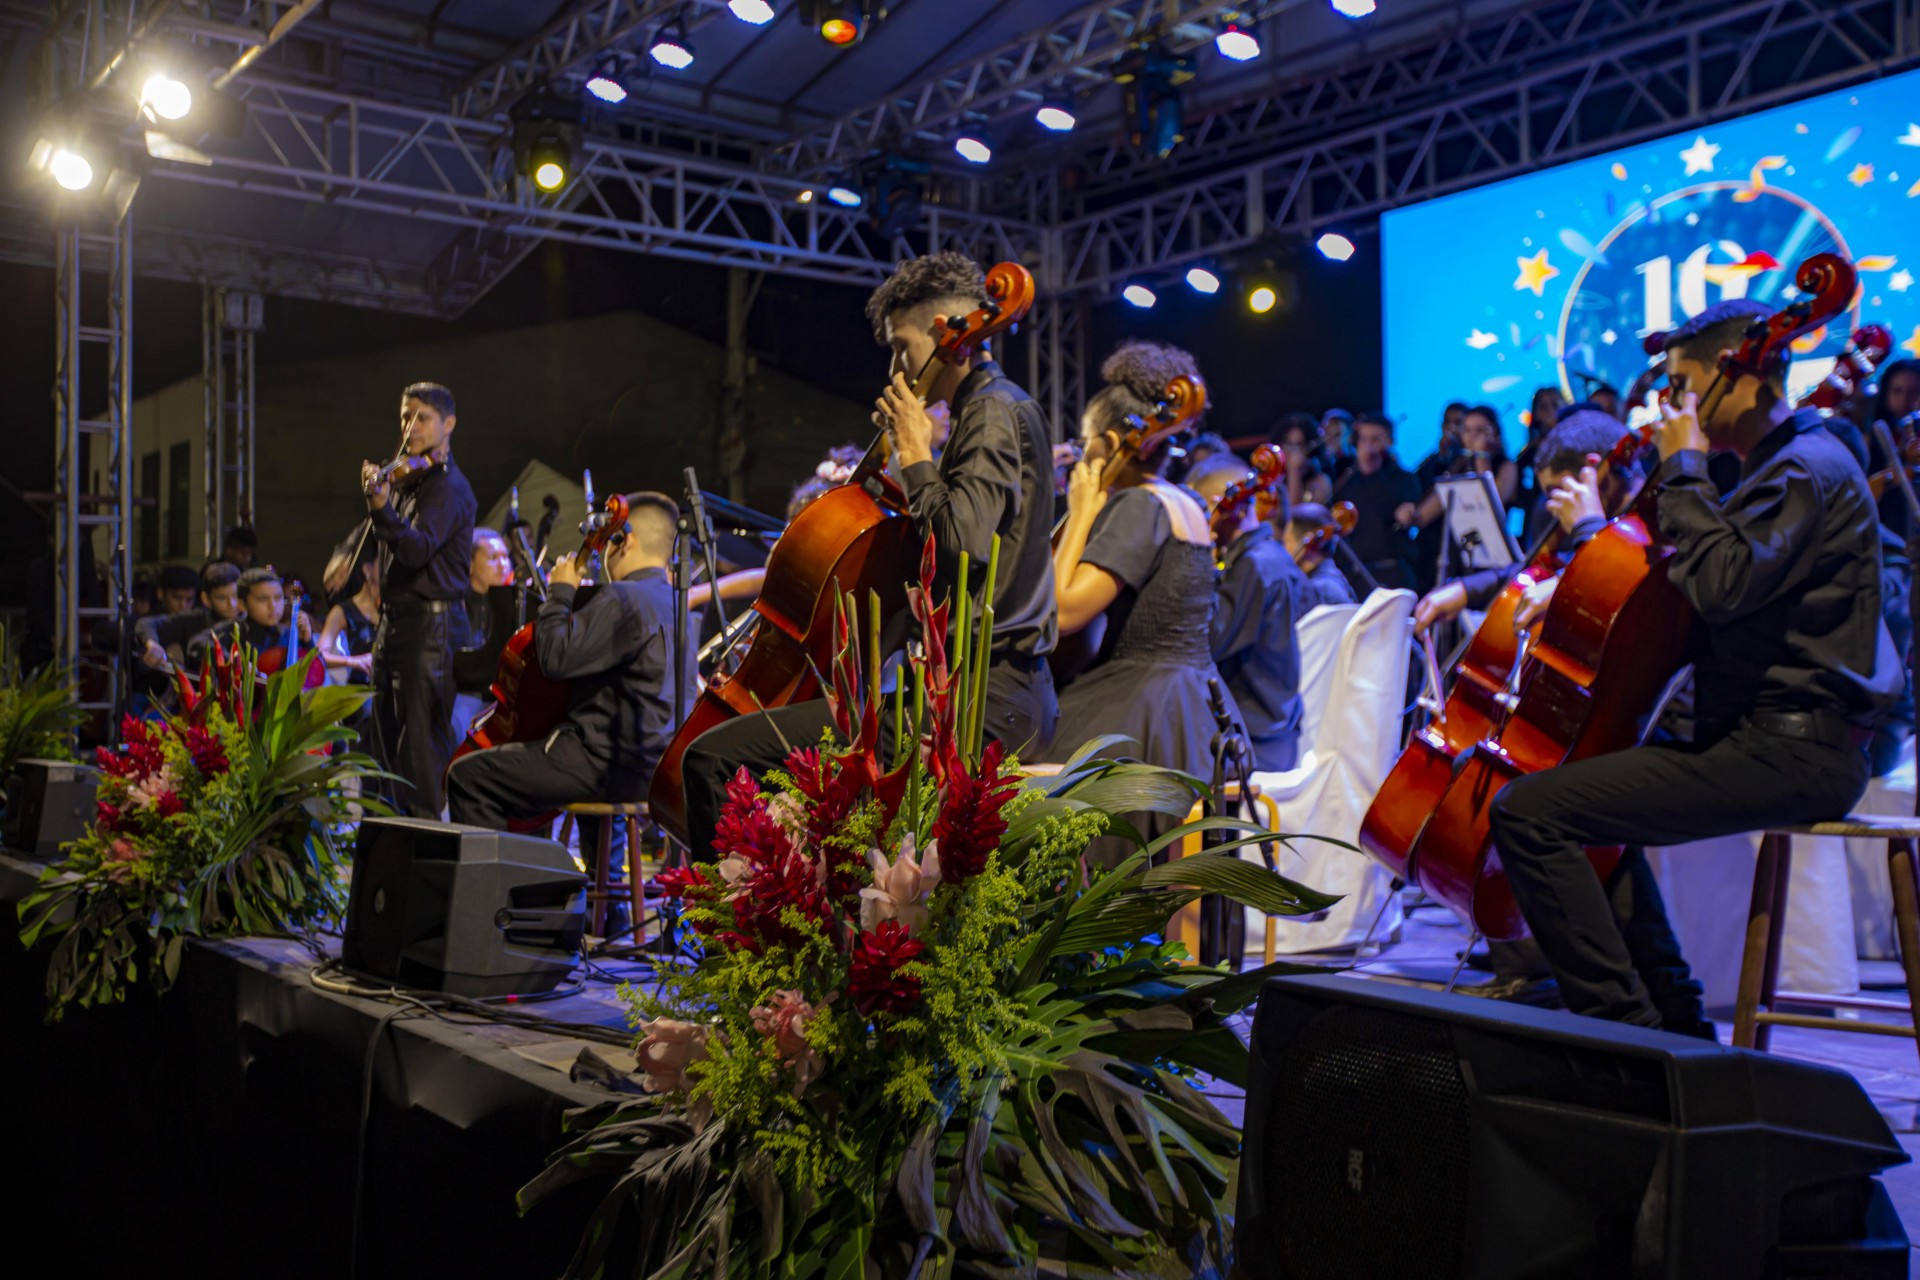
<point x="1791" y="663"/>
<point x="614" y="647"/>
<point x="424" y="525"/>
<point x="1262" y="596"/>
<point x="994" y="476"/>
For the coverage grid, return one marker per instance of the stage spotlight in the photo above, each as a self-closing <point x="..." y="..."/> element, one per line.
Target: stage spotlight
<point x="1139" y="295"/>
<point x="840" y="22"/>
<point x="165" y="97"/>
<point x="1203" y="280"/>
<point x="1335" y="246"/>
<point x="1055" y="114"/>
<point x="805" y="197"/>
<point x="546" y="138"/>
<point x="1241" y="46"/>
<point x="845" y="197"/>
<point x="973" y="146"/>
<point x="549" y="167"/>
<point x="894" y="188"/>
<point x="1261" y="300"/>
<point x="670" y="48"/>
<point x="1149" y="76"/>
<point x="1353" y="8"/>
<point x="756" y="12"/>
<point x="70" y="169"/>
<point x="605" y="85"/>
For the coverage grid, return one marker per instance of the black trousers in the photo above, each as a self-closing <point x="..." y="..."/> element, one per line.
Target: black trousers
<point x="1748" y="779"/>
<point x="1021" y="712"/>
<point x="413" y="701"/>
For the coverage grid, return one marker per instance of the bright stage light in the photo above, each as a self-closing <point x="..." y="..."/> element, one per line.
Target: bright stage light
<point x="1335" y="246"/>
<point x="805" y="197"/>
<point x="841" y="31"/>
<point x="1203" y="280"/>
<point x="166" y="97"/>
<point x="670" y="49"/>
<point x="1055" y="115"/>
<point x="549" y="175"/>
<point x="1261" y="300"/>
<point x="1139" y="295"/>
<point x="1241" y="46"/>
<point x="71" y="170"/>
<point x="845" y="197"/>
<point x="605" y="85"/>
<point x="757" y="12"/>
<point x="973" y="148"/>
<point x="1353" y="8"/>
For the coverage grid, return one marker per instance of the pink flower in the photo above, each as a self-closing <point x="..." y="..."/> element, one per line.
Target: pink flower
<point x="667" y="1050"/>
<point x="785" y="1023"/>
<point x="900" y="889"/>
<point x="122" y="850"/>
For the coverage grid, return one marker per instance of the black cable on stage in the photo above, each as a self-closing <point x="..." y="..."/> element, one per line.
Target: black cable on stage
<point x="414" y="1006"/>
<point x="497" y="1009"/>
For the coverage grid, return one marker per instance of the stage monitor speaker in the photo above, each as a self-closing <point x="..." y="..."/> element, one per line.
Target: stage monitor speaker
<point x="441" y="907"/>
<point x="1392" y="1131"/>
<point x="49" y="802"/>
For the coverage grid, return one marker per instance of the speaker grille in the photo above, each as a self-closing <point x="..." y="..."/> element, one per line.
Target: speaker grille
<point x="1365" y="1151"/>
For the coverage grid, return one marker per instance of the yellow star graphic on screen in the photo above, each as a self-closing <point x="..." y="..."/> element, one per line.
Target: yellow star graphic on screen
<point x="1862" y="174"/>
<point x="1913" y="344"/>
<point x="1534" y="273"/>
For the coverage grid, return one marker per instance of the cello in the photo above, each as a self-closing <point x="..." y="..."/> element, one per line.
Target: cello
<point x="853" y="539"/>
<point x="1607" y="648"/>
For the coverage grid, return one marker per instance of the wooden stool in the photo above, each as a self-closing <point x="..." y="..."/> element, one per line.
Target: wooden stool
<point x="604" y="889"/>
<point x="1756" y="1010"/>
<point x="1185" y="926"/>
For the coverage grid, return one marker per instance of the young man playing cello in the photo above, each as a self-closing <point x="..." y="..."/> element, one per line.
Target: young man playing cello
<point x="994" y="476"/>
<point x="1791" y="662"/>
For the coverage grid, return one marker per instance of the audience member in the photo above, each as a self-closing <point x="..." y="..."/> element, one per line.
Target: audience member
<point x="240" y="547"/>
<point x="1386" y="496"/>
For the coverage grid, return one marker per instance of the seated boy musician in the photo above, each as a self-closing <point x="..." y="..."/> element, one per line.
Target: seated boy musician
<point x="1262" y="594"/>
<point x="615" y="647"/>
<point x="1325" y="583"/>
<point x="166" y="639"/>
<point x="260" y="624"/>
<point x="1791" y="665"/>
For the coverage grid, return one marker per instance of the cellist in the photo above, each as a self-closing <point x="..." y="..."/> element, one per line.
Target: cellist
<point x="1791" y="663"/>
<point x="615" y="647"/>
<point x="994" y="476"/>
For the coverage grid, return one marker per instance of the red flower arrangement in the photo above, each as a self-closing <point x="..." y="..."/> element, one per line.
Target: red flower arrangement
<point x="875" y="979"/>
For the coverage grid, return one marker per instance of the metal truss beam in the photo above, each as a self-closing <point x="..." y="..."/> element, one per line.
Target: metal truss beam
<point x="587" y="30"/>
<point x="1723" y="61"/>
<point x="1073" y="51"/>
<point x="425" y="166"/>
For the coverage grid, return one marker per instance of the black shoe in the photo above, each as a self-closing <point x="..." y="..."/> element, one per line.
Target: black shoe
<point x="1480" y="960"/>
<point x="1698" y="1028"/>
<point x="1540" y="992"/>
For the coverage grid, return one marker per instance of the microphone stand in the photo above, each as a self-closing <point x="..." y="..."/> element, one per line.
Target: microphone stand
<point x="703" y="535"/>
<point x="1220" y="942"/>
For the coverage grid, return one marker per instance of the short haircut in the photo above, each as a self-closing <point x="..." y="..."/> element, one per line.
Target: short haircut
<point x="1211" y="470"/>
<point x="1137" y="375"/>
<point x="1341" y="414"/>
<point x="948" y="277"/>
<point x="1309" y="516"/>
<point x="482" y="533"/>
<point x="218" y="574"/>
<point x="1375" y="418"/>
<point x="178" y="577"/>
<point x="241" y="535"/>
<point x="1209" y="442"/>
<point x="1721" y="327"/>
<point x="1453" y="407"/>
<point x="430" y="393"/>
<point x="1574" y="437"/>
<point x="1297" y="421"/>
<point x="253" y="578"/>
<point x="653" y="521"/>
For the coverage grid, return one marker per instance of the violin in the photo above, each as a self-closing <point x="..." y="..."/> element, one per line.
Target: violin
<point x="1866" y="348"/>
<point x="1341" y="522"/>
<point x="1587" y="681"/>
<point x="855" y="539"/>
<point x="401" y="472"/>
<point x="281" y="656"/>
<point x="527" y="704"/>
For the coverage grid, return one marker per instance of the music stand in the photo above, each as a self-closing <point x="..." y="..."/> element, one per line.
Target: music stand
<point x="1476" y="523"/>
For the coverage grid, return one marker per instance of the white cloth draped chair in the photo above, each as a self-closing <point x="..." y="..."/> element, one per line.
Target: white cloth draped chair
<point x="1317" y="637"/>
<point x="1355" y="742"/>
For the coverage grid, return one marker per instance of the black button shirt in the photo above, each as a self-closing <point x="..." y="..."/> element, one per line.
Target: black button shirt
<point x="1262" y="594"/>
<point x="617" y="649"/>
<point x="994" y="476"/>
<point x="1784" y="577"/>
<point x="1376" y="539"/>
<point x="428" y="535"/>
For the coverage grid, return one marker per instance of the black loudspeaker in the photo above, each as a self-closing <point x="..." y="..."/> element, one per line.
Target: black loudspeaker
<point x="49" y="802"/>
<point x="1396" y="1132"/>
<point x="441" y="907"/>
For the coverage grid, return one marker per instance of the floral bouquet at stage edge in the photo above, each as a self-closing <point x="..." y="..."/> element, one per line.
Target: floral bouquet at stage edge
<point x="221" y="822"/>
<point x="916" y="1036"/>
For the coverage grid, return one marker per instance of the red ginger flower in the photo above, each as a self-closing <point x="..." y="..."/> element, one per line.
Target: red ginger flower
<point x="106" y="817"/>
<point x="209" y="755"/>
<point x="790" y="882"/>
<point x="133" y="762"/>
<point x="971" y="823"/>
<point x="167" y="803"/>
<point x="745" y="829"/>
<point x="682" y="882"/>
<point x="874" y="979"/>
<point x="830" y="793"/>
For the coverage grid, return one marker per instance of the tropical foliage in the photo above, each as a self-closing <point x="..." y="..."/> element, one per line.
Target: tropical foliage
<point x="38" y="713"/>
<point x="223" y="821"/>
<point x="917" y="1034"/>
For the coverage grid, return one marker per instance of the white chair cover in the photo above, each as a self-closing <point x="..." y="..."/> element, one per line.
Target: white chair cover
<point x="1328" y="794"/>
<point x="1873" y="933"/>
<point x="1317" y="636"/>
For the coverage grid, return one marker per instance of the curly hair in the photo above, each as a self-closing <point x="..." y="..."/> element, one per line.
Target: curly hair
<point x="938" y="277"/>
<point x="1137" y="374"/>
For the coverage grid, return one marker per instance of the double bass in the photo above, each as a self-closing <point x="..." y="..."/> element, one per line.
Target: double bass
<point x="854" y="539"/>
<point x="1589" y="681"/>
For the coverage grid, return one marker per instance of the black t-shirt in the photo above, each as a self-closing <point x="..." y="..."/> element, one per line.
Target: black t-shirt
<point x="1376" y="539"/>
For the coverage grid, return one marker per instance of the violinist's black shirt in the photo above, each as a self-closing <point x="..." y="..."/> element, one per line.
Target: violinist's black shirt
<point x="617" y="650"/>
<point x="1784" y="577"/>
<point x="1262" y="596"/>
<point x="994" y="476"/>
<point x="428" y="534"/>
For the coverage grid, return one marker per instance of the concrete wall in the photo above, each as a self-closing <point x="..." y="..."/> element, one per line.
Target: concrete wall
<point x="631" y="397"/>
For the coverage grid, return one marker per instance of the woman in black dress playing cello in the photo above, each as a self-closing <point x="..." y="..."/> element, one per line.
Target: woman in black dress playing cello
<point x="1138" y="553"/>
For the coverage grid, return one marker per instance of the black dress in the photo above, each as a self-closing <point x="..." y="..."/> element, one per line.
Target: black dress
<point x="1152" y="687"/>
